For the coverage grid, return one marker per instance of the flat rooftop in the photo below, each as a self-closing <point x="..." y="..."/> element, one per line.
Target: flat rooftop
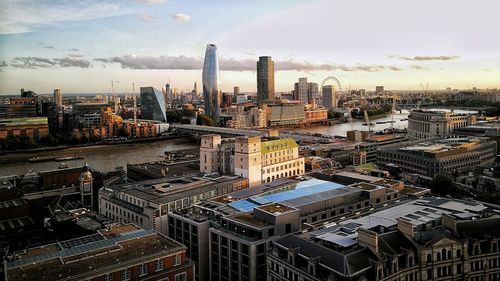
<point x="442" y="145"/>
<point x="160" y="190"/>
<point x="74" y="259"/>
<point x="302" y="189"/>
<point x="417" y="212"/>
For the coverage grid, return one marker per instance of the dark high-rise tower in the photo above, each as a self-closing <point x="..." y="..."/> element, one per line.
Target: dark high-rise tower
<point x="265" y="80"/>
<point x="153" y="105"/>
<point x="211" y="83"/>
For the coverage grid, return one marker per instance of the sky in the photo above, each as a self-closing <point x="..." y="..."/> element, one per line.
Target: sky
<point x="81" y="46"/>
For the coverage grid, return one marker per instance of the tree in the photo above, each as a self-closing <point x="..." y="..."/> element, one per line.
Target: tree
<point x="205" y="120"/>
<point x="442" y="184"/>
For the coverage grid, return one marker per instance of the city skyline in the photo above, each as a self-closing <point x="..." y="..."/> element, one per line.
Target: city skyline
<point x="59" y="44"/>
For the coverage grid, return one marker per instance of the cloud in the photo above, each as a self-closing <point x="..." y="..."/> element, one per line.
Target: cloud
<point x="419" y="67"/>
<point x="231" y="64"/>
<point x="20" y="16"/>
<point x="74" y="55"/>
<point x="425" y="58"/>
<point x="149" y="62"/>
<point x="74" y="50"/>
<point x="73" y="62"/>
<point x="38" y="62"/>
<point x="145" y="17"/>
<point x="181" y="17"/>
<point x="153" y="2"/>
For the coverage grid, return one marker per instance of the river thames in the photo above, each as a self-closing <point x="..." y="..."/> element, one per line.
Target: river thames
<point x="106" y="158"/>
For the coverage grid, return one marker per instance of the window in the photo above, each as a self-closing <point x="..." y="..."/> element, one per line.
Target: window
<point x="126" y="274"/>
<point x="159" y="265"/>
<point x="108" y="277"/>
<point x="143" y="269"/>
<point x="180" y="277"/>
<point x="177" y="261"/>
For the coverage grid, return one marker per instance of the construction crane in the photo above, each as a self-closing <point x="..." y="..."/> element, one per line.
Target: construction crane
<point x="425" y="89"/>
<point x="135" y="103"/>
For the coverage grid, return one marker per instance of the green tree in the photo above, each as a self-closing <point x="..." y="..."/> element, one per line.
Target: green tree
<point x="442" y="184"/>
<point x="205" y="120"/>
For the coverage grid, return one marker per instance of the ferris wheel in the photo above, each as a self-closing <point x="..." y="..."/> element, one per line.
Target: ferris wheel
<point x="332" y="80"/>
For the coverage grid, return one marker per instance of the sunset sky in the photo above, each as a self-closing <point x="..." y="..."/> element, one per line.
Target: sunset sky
<point x="81" y="46"/>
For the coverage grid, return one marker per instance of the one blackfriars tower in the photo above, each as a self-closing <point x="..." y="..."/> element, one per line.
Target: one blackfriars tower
<point x="211" y="83"/>
<point x="265" y="80"/>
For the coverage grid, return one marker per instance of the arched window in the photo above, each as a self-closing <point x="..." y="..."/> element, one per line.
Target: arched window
<point x="443" y="253"/>
<point x="459" y="253"/>
<point x="429" y="258"/>
<point x="449" y="255"/>
<point x="268" y="179"/>
<point x="438" y="256"/>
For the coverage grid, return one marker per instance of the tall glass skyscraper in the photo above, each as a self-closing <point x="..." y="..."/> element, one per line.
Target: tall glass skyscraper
<point x="153" y="105"/>
<point x="265" y="80"/>
<point x="211" y="83"/>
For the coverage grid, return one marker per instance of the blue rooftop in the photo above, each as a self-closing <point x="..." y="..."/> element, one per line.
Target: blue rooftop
<point x="303" y="188"/>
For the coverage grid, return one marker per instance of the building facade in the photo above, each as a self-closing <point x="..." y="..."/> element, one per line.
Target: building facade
<point x="423" y="124"/>
<point x="421" y="246"/>
<point x="265" y="80"/>
<point x="329" y="99"/>
<point x="35" y="128"/>
<point x="443" y="155"/>
<point x="147" y="203"/>
<point x="286" y="113"/>
<point x="57" y="97"/>
<point x="153" y="105"/>
<point x="211" y="83"/>
<point x="300" y="90"/>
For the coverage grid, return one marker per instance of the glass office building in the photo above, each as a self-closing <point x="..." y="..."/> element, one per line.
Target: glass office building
<point x="211" y="83"/>
<point x="153" y="105"/>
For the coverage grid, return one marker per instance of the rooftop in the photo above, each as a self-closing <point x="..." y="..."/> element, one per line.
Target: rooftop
<point x="417" y="212"/>
<point x="93" y="254"/>
<point x="249" y="218"/>
<point x="456" y="144"/>
<point x="302" y="189"/>
<point x="275" y="145"/>
<point x="23" y="121"/>
<point x="161" y="190"/>
<point x="275" y="208"/>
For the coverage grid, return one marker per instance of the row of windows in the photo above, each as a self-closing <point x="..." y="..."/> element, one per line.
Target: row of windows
<point x="126" y="274"/>
<point x="283" y="167"/>
<point x="124" y="214"/>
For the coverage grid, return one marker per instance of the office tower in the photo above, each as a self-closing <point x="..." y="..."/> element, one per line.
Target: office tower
<point x="312" y="92"/>
<point x="168" y="94"/>
<point x="265" y="80"/>
<point x="195" y="88"/>
<point x="329" y="99"/>
<point x="211" y="83"/>
<point x="379" y="89"/>
<point x="153" y="105"/>
<point x="236" y="91"/>
<point x="58" y="97"/>
<point x="300" y="90"/>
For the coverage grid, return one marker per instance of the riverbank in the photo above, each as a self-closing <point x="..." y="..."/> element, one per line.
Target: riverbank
<point x="63" y="147"/>
<point x="104" y="158"/>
